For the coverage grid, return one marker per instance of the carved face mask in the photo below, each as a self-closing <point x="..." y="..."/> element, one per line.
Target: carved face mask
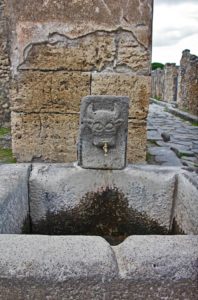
<point x="103" y="125"/>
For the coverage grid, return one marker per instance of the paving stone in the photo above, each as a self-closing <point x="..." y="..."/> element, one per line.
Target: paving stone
<point x="183" y="138"/>
<point x="162" y="144"/>
<point x="182" y="152"/>
<point x="153" y="135"/>
<point x="165" y="156"/>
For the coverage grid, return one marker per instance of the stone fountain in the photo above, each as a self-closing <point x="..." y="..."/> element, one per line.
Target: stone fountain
<point x="98" y="228"/>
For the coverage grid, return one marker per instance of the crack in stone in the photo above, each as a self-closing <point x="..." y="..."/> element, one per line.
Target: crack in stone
<point x="46" y="112"/>
<point x="40" y="125"/>
<point x="175" y="191"/>
<point x="65" y="38"/>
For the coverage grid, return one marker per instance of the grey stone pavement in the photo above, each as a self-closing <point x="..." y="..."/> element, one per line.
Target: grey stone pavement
<point x="172" y="141"/>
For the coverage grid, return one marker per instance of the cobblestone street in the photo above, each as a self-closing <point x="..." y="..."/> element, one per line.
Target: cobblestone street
<point x="171" y="140"/>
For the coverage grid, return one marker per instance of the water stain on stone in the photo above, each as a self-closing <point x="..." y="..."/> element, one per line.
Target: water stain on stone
<point x="26" y="228"/>
<point x="105" y="213"/>
<point x="176" y="229"/>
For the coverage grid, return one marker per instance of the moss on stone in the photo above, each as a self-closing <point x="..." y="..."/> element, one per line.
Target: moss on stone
<point x="4" y="131"/>
<point x="6" y="156"/>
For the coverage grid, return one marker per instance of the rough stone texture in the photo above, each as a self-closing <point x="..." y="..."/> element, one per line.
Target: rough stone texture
<point x="145" y="258"/>
<point x="45" y="136"/>
<point x="4" y="68"/>
<point x="164" y="83"/>
<point x="86" y="268"/>
<point x="92" y="52"/>
<point x="182" y="136"/>
<point x="137" y="88"/>
<point x="63" y="41"/>
<point x="170" y="82"/>
<point x="137" y="141"/>
<point x="76" y="19"/>
<point x="102" y="140"/>
<point x="55" y="190"/>
<point x="94" y="290"/>
<point x="157" y="88"/>
<point x="187" y="95"/>
<point x="56" y="258"/>
<point x="186" y="206"/>
<point x="14" y="207"/>
<point x="50" y="92"/>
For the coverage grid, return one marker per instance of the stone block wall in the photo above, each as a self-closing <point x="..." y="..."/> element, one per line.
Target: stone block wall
<point x="187" y="95"/>
<point x="178" y="83"/>
<point x="157" y="84"/>
<point x="170" y="82"/>
<point x="4" y="68"/>
<point x="164" y="83"/>
<point x="70" y="49"/>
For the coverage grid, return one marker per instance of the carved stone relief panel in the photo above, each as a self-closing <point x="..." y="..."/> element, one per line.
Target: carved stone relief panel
<point x="102" y="140"/>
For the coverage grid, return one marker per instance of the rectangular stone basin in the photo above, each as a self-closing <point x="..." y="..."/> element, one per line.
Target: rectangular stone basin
<point x="54" y="218"/>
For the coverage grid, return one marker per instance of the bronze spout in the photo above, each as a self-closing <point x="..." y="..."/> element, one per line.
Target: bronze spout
<point x="105" y="149"/>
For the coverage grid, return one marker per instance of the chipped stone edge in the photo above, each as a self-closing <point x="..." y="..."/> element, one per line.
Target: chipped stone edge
<point x="135" y="259"/>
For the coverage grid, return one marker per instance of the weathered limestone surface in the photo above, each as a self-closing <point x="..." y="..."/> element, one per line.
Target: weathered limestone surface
<point x="157" y="84"/>
<point x="76" y="19"/>
<point x="186" y="207"/>
<point x="58" y="51"/>
<point x="88" y="268"/>
<point x="55" y="190"/>
<point x="45" y="136"/>
<point x="144" y="258"/>
<point x="56" y="258"/>
<point x="50" y="92"/>
<point x="164" y="83"/>
<point x="137" y="88"/>
<point x="187" y="95"/>
<point x="4" y="68"/>
<point x="170" y="82"/>
<point x="137" y="141"/>
<point x="14" y="206"/>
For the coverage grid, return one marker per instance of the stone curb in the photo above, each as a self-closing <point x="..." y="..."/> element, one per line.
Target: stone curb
<point x="61" y="258"/>
<point x="174" y="111"/>
<point x="56" y="258"/>
<point x="158" y="257"/>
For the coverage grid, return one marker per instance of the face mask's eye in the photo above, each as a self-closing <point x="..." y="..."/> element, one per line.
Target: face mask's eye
<point x="97" y="126"/>
<point x="109" y="127"/>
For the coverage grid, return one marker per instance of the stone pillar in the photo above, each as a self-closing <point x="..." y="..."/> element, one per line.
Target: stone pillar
<point x="170" y="82"/>
<point x="158" y="84"/>
<point x="187" y="96"/>
<point x="4" y="68"/>
<point x="66" y="50"/>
